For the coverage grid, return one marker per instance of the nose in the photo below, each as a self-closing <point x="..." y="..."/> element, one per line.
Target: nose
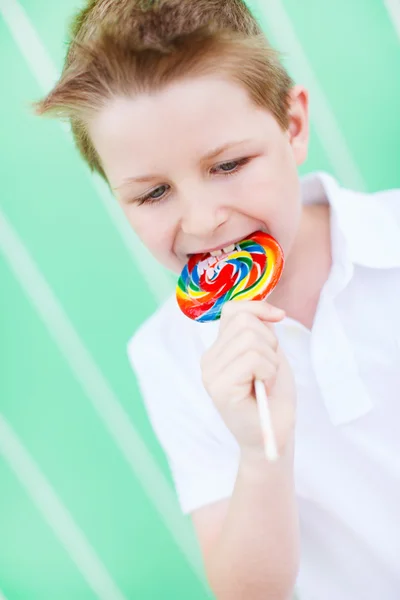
<point x="201" y="216"/>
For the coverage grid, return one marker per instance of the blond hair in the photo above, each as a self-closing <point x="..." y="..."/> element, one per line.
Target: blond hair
<point x="128" y="47"/>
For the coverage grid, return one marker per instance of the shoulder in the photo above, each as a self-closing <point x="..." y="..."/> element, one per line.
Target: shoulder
<point x="383" y="203"/>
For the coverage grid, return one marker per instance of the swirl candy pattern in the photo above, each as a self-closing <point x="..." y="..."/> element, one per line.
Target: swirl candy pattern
<point x="251" y="272"/>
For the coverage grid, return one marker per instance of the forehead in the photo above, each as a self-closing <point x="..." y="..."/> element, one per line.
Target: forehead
<point x="174" y="107"/>
<point x="186" y="118"/>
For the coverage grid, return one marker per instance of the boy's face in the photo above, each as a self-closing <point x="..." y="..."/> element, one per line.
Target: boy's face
<point x="196" y="204"/>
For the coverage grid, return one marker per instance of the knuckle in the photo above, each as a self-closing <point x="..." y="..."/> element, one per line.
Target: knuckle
<point x="249" y="337"/>
<point x="267" y="367"/>
<point x="274" y="343"/>
<point x="274" y="360"/>
<point x="228" y="309"/>
<point x="267" y="375"/>
<point x="243" y="319"/>
<point x="254" y="356"/>
<point x="270" y="370"/>
<point x="272" y="340"/>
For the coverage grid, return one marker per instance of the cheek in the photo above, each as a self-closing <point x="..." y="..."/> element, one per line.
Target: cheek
<point x="263" y="192"/>
<point x="143" y="223"/>
<point x="276" y="202"/>
<point x="152" y="226"/>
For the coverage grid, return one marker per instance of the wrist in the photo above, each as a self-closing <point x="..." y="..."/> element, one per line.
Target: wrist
<point x="254" y="457"/>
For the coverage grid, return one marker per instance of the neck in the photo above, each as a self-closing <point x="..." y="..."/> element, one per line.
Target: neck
<point x="307" y="267"/>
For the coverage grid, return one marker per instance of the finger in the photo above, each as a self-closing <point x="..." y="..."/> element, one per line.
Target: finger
<point x="214" y="364"/>
<point x="243" y="371"/>
<point x="243" y="321"/>
<point x="244" y="330"/>
<point x="261" y="309"/>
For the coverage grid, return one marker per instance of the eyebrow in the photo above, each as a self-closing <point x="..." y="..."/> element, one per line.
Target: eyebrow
<point x="209" y="156"/>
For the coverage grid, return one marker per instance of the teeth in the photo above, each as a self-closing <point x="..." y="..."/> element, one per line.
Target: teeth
<point x="226" y="250"/>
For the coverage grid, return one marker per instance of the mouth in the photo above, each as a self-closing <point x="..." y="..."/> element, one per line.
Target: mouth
<point x="226" y="249"/>
<point x="223" y="251"/>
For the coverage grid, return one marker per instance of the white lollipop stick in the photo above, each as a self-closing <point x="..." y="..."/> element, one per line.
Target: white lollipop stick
<point x="271" y="451"/>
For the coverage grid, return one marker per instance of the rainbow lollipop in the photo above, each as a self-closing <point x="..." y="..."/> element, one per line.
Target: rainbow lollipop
<point x="250" y="272"/>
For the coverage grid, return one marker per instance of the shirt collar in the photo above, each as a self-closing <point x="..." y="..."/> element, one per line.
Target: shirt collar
<point x="367" y="228"/>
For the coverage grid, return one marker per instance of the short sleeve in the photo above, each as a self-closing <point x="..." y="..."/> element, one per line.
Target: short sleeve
<point x="201" y="452"/>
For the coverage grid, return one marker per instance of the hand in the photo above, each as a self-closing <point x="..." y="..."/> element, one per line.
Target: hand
<point x="247" y="349"/>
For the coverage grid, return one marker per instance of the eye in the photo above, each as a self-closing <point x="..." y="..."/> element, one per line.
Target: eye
<point x="229" y="168"/>
<point x="232" y="167"/>
<point x="154" y="196"/>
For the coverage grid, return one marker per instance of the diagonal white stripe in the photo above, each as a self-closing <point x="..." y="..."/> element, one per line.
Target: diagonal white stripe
<point x="159" y="282"/>
<point x="100" y="394"/>
<point x="56" y="321"/>
<point x="330" y="136"/>
<point x="2" y="596"/>
<point x="29" y="44"/>
<point x="393" y="8"/>
<point x="56" y="515"/>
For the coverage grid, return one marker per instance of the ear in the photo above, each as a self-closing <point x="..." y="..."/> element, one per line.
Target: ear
<point x="298" y="130"/>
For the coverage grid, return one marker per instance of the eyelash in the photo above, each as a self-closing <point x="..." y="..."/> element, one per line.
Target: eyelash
<point x="149" y="200"/>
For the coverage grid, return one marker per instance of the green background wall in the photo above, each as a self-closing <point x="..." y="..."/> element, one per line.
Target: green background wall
<point x="87" y="507"/>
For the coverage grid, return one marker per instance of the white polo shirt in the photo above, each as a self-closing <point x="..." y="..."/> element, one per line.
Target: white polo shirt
<point x="347" y="371"/>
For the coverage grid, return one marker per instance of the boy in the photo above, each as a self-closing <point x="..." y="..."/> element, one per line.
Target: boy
<point x="186" y="112"/>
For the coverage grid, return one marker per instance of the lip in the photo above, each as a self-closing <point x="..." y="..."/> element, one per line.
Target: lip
<point x="226" y="244"/>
